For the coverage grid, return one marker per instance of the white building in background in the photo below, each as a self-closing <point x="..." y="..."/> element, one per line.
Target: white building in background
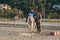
<point x="4" y="6"/>
<point x="56" y="6"/>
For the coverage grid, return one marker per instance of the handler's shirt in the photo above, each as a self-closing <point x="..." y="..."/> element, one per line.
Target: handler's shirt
<point x="37" y="17"/>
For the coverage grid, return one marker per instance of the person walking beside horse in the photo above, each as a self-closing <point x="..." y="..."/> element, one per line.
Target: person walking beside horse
<point x="38" y="18"/>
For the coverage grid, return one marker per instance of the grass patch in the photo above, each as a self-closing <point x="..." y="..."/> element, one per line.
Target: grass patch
<point x="50" y="20"/>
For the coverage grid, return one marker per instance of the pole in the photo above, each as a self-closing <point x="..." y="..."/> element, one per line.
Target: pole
<point x="44" y="13"/>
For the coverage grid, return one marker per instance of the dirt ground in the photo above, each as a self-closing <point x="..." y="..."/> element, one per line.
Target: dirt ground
<point x="22" y="33"/>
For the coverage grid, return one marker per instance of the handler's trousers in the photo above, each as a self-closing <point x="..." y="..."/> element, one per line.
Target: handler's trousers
<point x="38" y="26"/>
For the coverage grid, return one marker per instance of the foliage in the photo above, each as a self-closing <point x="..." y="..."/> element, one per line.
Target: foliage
<point x="24" y="5"/>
